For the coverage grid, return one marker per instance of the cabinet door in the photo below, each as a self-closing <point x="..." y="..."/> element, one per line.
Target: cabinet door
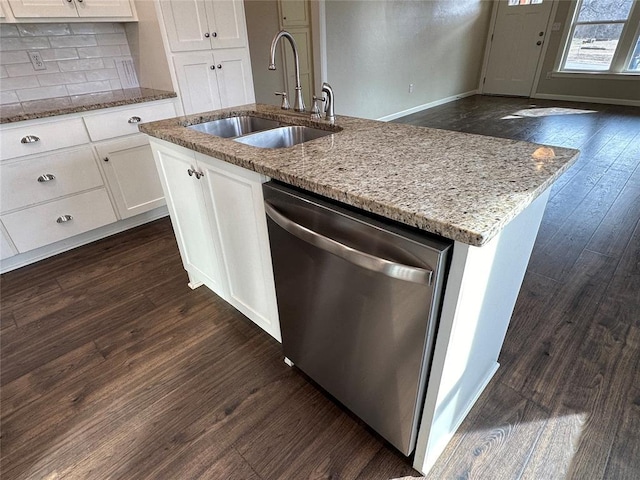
<point x="227" y="23"/>
<point x="235" y="196"/>
<point x="186" y="24"/>
<point x="6" y="248"/>
<point x="185" y="201"/>
<point x="197" y="82"/>
<point x="294" y="13"/>
<point x="104" y="8"/>
<point x="43" y="8"/>
<point x="233" y="75"/>
<point x="131" y="174"/>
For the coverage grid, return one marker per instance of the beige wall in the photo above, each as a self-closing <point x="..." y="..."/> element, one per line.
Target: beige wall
<point x="262" y="25"/>
<point x="375" y="49"/>
<point x="147" y="49"/>
<point x="623" y="89"/>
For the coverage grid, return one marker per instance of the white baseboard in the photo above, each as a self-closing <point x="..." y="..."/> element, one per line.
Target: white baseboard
<point x="571" y="98"/>
<point x="426" y="106"/>
<point x="32" y="256"/>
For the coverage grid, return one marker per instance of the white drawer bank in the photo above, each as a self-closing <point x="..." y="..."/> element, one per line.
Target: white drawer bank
<point x="69" y="180"/>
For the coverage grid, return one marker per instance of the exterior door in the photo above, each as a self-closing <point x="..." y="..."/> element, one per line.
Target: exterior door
<point x="516" y="46"/>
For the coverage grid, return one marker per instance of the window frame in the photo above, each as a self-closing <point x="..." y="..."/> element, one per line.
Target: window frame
<point x="622" y="56"/>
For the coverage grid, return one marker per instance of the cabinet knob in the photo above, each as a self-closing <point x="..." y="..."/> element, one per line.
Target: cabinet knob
<point x="214" y="34"/>
<point x="80" y="1"/>
<point x="29" y="139"/>
<point x="198" y="175"/>
<point x="134" y="119"/>
<point x="206" y="35"/>
<point x="219" y="65"/>
<point x="539" y="42"/>
<point x="105" y="159"/>
<point x="64" y="218"/>
<point x="46" y="177"/>
<point x="190" y="172"/>
<point x="212" y="67"/>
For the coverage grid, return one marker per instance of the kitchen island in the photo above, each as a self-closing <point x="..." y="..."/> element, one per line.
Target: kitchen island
<point x="486" y="194"/>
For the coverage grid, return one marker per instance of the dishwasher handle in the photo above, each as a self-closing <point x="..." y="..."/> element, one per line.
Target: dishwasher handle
<point x="362" y="259"/>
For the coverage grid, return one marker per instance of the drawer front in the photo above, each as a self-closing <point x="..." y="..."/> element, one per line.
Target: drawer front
<point x="44" y="178"/>
<point x="41" y="225"/>
<point x="125" y="122"/>
<point x="42" y="137"/>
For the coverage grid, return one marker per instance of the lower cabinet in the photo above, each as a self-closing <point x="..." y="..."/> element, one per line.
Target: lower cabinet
<point x="218" y="217"/>
<point x="131" y="174"/>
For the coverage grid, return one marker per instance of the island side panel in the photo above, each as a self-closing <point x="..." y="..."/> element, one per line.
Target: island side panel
<point x="480" y="296"/>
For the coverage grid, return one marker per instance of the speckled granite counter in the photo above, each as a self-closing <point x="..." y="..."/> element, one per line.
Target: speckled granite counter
<point x="17" y="112"/>
<point x="461" y="186"/>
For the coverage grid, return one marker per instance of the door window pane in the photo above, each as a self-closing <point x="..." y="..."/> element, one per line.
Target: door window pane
<point x="634" y="64"/>
<point x="592" y="46"/>
<point x="604" y="10"/>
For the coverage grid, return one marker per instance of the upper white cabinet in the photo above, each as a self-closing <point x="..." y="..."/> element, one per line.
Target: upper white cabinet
<point x="213" y="80"/>
<point x="203" y="25"/>
<point x="49" y="9"/>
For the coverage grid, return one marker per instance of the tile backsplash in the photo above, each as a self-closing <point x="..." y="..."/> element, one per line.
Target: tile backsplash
<point x="78" y="58"/>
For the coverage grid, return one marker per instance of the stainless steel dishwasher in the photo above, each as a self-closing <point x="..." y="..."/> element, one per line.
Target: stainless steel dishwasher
<point x="358" y="299"/>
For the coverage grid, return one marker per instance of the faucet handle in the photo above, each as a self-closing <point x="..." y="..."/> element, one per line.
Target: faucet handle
<point x="315" y="110"/>
<point x="285" y="101"/>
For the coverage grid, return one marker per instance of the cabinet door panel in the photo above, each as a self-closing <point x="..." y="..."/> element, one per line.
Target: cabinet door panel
<point x="38" y="226"/>
<point x="29" y="181"/>
<point x="236" y="198"/>
<point x="227" y="23"/>
<point x="234" y="78"/>
<point x="43" y="8"/>
<point x="197" y="82"/>
<point x="6" y="249"/>
<point x="189" y="217"/>
<point x="104" y="8"/>
<point x="131" y="174"/>
<point x="186" y="22"/>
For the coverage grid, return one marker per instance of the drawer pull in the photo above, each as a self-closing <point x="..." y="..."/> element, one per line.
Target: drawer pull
<point x="64" y="218"/>
<point x="46" y="177"/>
<point x="30" y="139"/>
<point x="134" y="119"/>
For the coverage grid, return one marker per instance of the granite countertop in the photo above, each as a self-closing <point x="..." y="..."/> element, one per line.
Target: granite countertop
<point x="17" y="112"/>
<point x="462" y="186"/>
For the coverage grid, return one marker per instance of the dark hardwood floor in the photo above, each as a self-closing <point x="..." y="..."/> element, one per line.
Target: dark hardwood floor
<point x="111" y="367"/>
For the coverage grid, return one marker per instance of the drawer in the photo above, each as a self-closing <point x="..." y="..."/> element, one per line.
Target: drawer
<point x="125" y="121"/>
<point x="38" y="226"/>
<point x="43" y="178"/>
<point x="44" y="137"/>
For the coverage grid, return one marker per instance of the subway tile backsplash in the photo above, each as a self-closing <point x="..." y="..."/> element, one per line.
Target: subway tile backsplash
<point x="79" y="58"/>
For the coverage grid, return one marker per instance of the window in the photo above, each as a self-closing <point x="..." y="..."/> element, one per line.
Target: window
<point x="603" y="37"/>
<point x="513" y="3"/>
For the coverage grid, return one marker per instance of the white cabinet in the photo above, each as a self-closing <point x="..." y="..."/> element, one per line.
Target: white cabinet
<point x="6" y="247"/>
<point x="218" y="215"/>
<point x="203" y="25"/>
<point x="47" y="9"/>
<point x="294" y="13"/>
<point x="185" y="200"/>
<point x="213" y="80"/>
<point x="131" y="174"/>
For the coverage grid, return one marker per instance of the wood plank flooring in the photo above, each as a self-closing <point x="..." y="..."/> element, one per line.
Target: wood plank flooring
<point x="111" y="367"/>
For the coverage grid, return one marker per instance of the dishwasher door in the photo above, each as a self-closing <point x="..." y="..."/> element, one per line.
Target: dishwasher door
<point x="358" y="301"/>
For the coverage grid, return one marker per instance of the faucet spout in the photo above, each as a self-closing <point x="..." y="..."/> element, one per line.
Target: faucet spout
<point x="299" y="101"/>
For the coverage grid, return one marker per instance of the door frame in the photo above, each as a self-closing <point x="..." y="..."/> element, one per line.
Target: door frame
<point x="543" y="53"/>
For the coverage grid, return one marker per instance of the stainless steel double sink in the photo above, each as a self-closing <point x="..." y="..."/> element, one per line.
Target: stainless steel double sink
<point x="260" y="132"/>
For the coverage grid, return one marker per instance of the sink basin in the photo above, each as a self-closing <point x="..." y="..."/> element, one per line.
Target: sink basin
<point x="234" y="126"/>
<point x="282" y="137"/>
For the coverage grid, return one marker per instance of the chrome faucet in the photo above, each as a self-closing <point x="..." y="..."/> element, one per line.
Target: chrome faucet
<point x="328" y="107"/>
<point x="299" y="101"/>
